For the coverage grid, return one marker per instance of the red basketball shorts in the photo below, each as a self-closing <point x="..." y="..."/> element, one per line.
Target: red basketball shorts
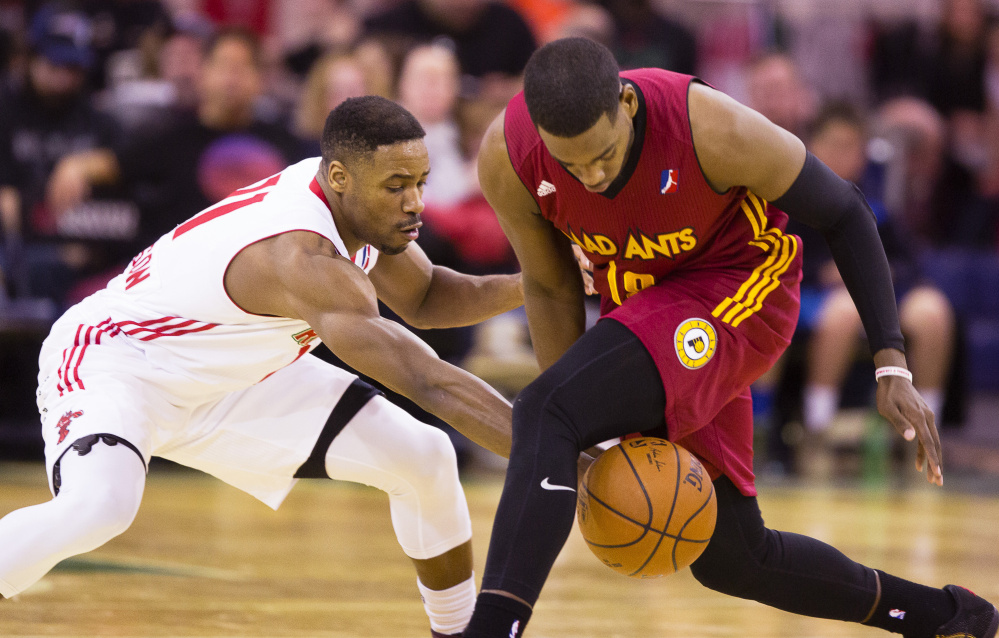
<point x="711" y="334"/>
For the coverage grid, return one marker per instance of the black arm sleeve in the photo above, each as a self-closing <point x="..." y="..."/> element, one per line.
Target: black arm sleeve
<point x="837" y="209"/>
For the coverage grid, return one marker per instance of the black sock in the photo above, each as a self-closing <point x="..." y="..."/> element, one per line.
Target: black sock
<point x="910" y="609"/>
<point x="497" y="616"/>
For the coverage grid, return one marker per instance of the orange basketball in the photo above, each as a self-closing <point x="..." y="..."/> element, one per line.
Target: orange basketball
<point x="646" y="508"/>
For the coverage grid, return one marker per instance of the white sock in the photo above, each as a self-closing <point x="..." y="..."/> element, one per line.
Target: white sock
<point x="449" y="609"/>
<point x="821" y="402"/>
<point x="934" y="399"/>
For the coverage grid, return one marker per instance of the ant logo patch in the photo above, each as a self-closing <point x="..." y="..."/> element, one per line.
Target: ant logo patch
<point x="63" y="423"/>
<point x="695" y="341"/>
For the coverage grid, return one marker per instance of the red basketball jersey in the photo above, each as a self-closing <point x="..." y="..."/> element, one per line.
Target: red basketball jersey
<point x="720" y="277"/>
<point x="660" y="214"/>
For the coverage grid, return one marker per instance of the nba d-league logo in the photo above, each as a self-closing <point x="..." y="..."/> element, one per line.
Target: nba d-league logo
<point x="695" y="341"/>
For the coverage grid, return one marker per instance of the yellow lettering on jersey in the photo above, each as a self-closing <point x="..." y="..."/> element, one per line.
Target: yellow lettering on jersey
<point x="665" y="244"/>
<point x="605" y="245"/>
<point x="688" y="240"/>
<point x="636" y="282"/>
<point x="634" y="248"/>
<point x="612" y="281"/>
<point x="571" y="235"/>
<point x="596" y="244"/>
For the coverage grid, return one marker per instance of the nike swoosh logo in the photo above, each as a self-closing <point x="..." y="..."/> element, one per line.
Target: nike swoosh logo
<point x="548" y="486"/>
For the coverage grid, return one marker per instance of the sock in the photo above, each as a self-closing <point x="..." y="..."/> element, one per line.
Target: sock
<point x="449" y="609"/>
<point x="498" y="617"/>
<point x="821" y="402"/>
<point x="913" y="610"/>
<point x="934" y="399"/>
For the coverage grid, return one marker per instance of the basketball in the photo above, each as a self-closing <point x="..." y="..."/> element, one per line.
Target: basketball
<point x="646" y="508"/>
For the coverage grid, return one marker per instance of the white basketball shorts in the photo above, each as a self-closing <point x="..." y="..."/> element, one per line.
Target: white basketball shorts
<point x="254" y="439"/>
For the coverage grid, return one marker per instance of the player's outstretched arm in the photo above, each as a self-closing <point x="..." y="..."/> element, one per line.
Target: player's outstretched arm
<point x="553" y="287"/>
<point x="738" y="147"/>
<point x="430" y="296"/>
<point x="298" y="275"/>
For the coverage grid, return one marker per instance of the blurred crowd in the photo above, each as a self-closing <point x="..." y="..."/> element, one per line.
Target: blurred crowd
<point x="121" y="118"/>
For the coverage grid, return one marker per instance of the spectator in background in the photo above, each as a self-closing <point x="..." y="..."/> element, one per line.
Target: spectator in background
<point x="54" y="149"/>
<point x="492" y="41"/>
<point x="200" y="159"/>
<point x="945" y="65"/>
<point x="428" y="88"/>
<point x="935" y="196"/>
<point x="331" y="80"/>
<point x="839" y="138"/>
<point x="776" y="89"/>
<point x="646" y="38"/>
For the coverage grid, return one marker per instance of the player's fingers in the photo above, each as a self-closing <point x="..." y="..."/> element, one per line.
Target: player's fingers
<point x="921" y="458"/>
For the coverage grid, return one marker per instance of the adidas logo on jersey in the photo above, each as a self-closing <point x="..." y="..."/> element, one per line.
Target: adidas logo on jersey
<point x="545" y="188"/>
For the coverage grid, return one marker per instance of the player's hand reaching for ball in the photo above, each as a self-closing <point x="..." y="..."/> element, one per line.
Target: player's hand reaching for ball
<point x="899" y="402"/>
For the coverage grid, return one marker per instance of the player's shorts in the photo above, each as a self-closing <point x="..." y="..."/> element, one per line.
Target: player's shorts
<point x="711" y="336"/>
<point x="255" y="439"/>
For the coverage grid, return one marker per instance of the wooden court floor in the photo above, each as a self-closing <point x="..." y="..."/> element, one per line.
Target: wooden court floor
<point x="204" y="559"/>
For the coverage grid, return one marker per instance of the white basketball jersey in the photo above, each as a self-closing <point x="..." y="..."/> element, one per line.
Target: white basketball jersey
<point x="172" y="304"/>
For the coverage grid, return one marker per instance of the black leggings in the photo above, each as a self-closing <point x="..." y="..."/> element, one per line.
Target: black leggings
<point x="607" y="386"/>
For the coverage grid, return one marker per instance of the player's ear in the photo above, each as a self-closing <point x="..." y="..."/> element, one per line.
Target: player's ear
<point x="337" y="176"/>
<point x="629" y="99"/>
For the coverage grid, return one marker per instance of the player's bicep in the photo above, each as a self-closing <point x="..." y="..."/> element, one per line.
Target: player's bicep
<point x="736" y="146"/>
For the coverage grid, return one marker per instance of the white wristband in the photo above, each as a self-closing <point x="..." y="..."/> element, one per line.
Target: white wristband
<point x="892" y="371"/>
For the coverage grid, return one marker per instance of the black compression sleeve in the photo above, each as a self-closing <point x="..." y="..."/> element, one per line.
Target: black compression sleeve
<point x="837" y="209"/>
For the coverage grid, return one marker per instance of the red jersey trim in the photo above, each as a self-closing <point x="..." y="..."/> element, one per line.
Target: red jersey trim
<point x="318" y="191"/>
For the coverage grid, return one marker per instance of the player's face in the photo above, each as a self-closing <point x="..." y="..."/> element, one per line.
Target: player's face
<point x="384" y="195"/>
<point x="595" y="156"/>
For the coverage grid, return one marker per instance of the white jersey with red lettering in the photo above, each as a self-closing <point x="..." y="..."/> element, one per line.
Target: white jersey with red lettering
<point x="172" y="304"/>
<point x="164" y="359"/>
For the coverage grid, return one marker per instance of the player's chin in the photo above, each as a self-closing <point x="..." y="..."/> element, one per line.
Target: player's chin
<point x="394" y="249"/>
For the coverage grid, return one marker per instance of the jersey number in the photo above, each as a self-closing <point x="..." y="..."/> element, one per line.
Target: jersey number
<point x="632" y="282"/>
<point x="225" y="206"/>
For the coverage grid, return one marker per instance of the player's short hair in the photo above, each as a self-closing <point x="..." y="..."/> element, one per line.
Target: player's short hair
<point x="359" y="125"/>
<point x="569" y="84"/>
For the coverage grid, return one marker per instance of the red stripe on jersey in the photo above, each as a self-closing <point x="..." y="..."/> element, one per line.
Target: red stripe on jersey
<point x="68" y="361"/>
<point x="79" y="360"/>
<point x="270" y="181"/>
<point x="214" y="213"/>
<point x="168" y="330"/>
<point x="318" y="191"/>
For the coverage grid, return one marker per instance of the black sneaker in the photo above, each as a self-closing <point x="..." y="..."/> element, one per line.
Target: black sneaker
<point x="975" y="617"/>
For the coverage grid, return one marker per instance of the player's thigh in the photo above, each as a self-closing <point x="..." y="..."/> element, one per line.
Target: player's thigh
<point x="606" y="385"/>
<point x="707" y="353"/>
<point x="256" y="439"/>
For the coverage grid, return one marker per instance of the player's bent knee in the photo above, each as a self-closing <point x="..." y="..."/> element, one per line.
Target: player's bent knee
<point x="430" y="462"/>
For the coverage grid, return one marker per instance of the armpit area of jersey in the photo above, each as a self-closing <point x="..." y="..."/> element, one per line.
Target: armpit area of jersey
<point x="836" y="208"/>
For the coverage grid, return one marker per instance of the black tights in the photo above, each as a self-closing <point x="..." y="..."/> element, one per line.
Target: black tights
<point x="606" y="386"/>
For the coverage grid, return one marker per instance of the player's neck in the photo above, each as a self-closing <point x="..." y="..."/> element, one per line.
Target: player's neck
<point x="340" y="218"/>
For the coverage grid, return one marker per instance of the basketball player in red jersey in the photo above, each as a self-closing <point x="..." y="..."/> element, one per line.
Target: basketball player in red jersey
<point x="677" y="194"/>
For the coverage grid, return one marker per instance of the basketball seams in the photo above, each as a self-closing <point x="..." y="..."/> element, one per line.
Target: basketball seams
<point x="689" y="519"/>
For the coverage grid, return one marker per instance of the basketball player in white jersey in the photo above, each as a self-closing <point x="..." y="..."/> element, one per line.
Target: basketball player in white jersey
<point x="196" y="354"/>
